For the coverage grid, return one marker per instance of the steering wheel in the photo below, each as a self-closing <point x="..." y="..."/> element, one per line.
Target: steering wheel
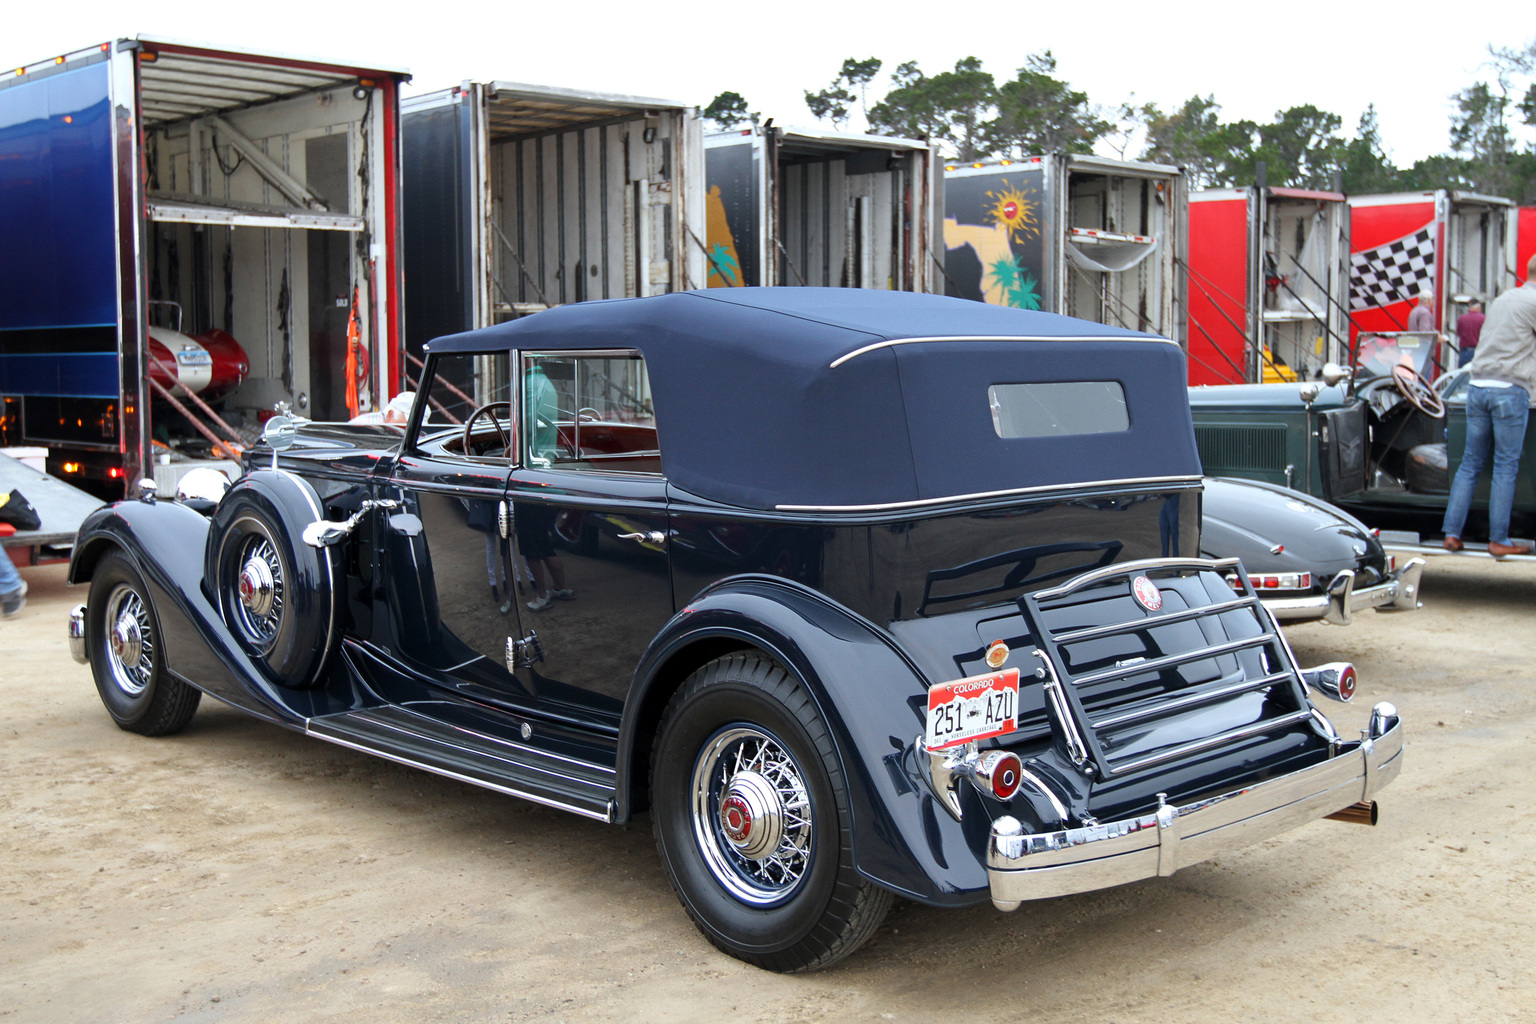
<point x="501" y="434"/>
<point x="1417" y="391"/>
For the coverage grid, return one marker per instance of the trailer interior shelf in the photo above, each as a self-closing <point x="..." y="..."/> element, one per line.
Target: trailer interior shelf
<point x="188" y="209"/>
<point x="1093" y="236"/>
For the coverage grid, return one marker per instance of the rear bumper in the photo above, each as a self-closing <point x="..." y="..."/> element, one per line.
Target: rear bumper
<point x="1400" y="593"/>
<point x="1031" y="867"/>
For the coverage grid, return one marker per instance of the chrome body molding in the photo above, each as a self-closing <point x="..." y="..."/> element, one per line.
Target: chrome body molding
<point x="607" y="816"/>
<point x="1022" y="866"/>
<point x="77" y="635"/>
<point x="1089" y="485"/>
<point x="893" y="342"/>
<point x="1337" y="606"/>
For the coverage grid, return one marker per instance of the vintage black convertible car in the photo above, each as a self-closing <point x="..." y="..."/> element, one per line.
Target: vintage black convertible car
<point x="859" y="594"/>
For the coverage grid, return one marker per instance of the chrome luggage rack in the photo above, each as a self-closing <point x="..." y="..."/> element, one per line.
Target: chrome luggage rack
<point x="1106" y="706"/>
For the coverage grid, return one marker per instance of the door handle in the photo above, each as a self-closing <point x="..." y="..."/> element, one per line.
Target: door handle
<point x="653" y="536"/>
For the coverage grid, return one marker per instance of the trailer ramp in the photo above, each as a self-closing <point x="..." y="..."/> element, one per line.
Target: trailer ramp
<point x="61" y="507"/>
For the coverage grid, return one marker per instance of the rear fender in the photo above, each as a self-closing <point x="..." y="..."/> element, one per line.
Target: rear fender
<point x="869" y="694"/>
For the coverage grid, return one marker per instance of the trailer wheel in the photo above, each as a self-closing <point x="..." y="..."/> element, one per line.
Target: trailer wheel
<point x="751" y="819"/>
<point x="278" y="597"/>
<point x="123" y="640"/>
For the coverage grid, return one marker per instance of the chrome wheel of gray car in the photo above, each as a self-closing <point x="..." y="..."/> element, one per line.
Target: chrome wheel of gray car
<point x="130" y="646"/>
<point x="751" y="815"/>
<point x="261" y="587"/>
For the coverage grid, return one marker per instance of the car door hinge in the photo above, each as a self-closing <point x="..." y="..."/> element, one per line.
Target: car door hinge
<point x="524" y="653"/>
<point x="504" y="519"/>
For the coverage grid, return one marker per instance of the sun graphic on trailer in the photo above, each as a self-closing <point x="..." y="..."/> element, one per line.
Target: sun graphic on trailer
<point x="1016" y="210"/>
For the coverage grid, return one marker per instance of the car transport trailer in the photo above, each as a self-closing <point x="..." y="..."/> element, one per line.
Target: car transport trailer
<point x="192" y="234"/>
<point x="796" y="206"/>
<point x="522" y="197"/>
<point x="1085" y="236"/>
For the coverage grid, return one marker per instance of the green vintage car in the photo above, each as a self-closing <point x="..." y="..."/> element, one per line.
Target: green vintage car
<point x="1383" y="446"/>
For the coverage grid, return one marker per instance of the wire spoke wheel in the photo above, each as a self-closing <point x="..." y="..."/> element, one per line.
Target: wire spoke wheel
<point x="127" y="653"/>
<point x="130" y="641"/>
<point x="262" y="590"/>
<point x="752" y="815"/>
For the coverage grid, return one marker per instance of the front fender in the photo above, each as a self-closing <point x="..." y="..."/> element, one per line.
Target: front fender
<point x="872" y="698"/>
<point x="166" y="541"/>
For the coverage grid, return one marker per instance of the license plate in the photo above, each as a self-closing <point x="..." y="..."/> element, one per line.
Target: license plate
<point x="972" y="709"/>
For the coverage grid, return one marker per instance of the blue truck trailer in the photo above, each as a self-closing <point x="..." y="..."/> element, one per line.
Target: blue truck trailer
<point x="191" y="235"/>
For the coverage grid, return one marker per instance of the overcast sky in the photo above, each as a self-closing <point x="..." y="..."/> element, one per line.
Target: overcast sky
<point x="1255" y="59"/>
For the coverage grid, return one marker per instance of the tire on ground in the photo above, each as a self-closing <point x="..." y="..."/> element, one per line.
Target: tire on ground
<point x="751" y="819"/>
<point x="124" y="642"/>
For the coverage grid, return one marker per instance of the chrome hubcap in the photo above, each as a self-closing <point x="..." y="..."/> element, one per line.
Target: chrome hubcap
<point x="127" y="641"/>
<point x="752" y="815"/>
<point x="256" y="590"/>
<point x="130" y="640"/>
<point x="260" y="590"/>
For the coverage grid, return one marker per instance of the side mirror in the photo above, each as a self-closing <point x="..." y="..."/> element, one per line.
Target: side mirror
<point x="1333" y="373"/>
<point x="279" y="433"/>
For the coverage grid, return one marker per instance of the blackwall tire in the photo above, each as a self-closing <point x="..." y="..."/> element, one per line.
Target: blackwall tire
<point x="124" y="643"/>
<point x="751" y="819"/>
<point x="277" y="595"/>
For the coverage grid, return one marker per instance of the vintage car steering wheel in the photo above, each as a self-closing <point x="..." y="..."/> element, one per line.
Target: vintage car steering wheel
<point x="489" y="407"/>
<point x="1417" y="391"/>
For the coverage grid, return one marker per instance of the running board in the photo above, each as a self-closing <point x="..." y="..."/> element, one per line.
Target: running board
<point x="1407" y="540"/>
<point x="515" y="769"/>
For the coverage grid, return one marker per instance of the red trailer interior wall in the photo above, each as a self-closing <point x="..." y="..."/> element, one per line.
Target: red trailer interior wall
<point x="1525" y="242"/>
<point x="1370" y="229"/>
<point x="1218" y="290"/>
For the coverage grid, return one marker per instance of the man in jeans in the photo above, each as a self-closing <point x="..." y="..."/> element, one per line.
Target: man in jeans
<point x="13" y="589"/>
<point x="1503" y="378"/>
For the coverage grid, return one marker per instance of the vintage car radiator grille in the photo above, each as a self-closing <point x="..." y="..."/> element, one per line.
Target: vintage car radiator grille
<point x="1227" y="448"/>
<point x="1188" y="667"/>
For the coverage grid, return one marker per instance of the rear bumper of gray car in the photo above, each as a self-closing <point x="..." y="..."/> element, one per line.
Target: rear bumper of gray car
<point x="1400" y="593"/>
<point x="1043" y="865"/>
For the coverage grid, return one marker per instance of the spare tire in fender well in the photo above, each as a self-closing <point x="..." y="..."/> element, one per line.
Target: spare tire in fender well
<point x="277" y="594"/>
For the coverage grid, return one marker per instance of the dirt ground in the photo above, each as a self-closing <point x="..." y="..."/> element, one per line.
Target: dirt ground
<point x="241" y="872"/>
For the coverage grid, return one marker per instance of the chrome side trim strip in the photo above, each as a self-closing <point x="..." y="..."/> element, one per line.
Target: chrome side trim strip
<point x="606" y="817"/>
<point x="893" y="342"/>
<point x="1090" y="485"/>
<point x="509" y="744"/>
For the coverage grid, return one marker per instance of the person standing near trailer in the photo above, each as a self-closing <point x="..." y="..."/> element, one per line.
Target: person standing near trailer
<point x="1498" y="409"/>
<point x="1469" y="327"/>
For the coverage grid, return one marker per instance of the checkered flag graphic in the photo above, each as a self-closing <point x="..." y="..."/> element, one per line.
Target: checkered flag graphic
<point x="1394" y="272"/>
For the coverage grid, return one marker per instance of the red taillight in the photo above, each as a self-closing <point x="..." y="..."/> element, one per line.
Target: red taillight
<point x="1002" y="772"/>
<point x="1347" y="682"/>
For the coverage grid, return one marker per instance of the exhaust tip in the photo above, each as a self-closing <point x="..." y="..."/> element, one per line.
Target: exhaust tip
<point x="1362" y="813"/>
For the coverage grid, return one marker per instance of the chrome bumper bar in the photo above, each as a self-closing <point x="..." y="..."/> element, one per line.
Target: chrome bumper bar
<point x="1399" y="594"/>
<point x="77" y="635"/>
<point x="1040" y="866"/>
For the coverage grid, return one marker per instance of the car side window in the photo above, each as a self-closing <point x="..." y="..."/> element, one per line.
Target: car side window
<point x="588" y="411"/>
<point x="469" y="407"/>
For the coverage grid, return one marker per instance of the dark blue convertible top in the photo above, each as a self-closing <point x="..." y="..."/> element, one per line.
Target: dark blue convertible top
<point x="837" y="397"/>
